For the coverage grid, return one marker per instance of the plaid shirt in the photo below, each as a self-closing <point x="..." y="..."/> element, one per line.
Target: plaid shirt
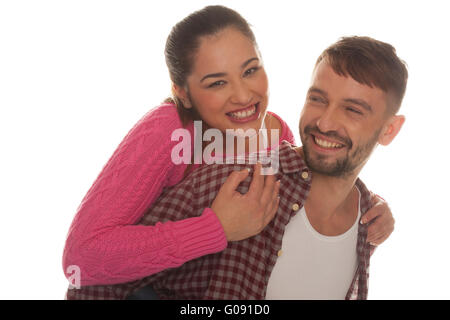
<point x="242" y="270"/>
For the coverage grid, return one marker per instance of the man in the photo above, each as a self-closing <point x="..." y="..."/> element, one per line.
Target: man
<point x="357" y="88"/>
<point x="314" y="247"/>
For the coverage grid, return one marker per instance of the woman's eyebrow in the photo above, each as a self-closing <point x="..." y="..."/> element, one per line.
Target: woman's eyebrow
<point x="213" y="75"/>
<point x="246" y="63"/>
<point x="222" y="74"/>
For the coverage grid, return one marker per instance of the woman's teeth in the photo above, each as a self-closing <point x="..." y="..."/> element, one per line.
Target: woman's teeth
<point x="327" y="144"/>
<point x="243" y="114"/>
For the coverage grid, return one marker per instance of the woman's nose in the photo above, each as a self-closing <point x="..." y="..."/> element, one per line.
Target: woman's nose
<point x="241" y="94"/>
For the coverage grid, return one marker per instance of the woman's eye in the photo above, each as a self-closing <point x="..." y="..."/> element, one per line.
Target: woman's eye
<point x="216" y="84"/>
<point x="250" y="71"/>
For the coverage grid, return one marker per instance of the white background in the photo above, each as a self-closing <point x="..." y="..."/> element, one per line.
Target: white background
<point x="75" y="76"/>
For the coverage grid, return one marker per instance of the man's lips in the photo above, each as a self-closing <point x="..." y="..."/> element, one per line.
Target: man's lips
<point x="329" y="141"/>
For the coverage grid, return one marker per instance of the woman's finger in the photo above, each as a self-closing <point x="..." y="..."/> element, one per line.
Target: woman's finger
<point x="267" y="195"/>
<point x="257" y="184"/>
<point x="379" y="240"/>
<point x="374" y="212"/>
<point x="374" y="233"/>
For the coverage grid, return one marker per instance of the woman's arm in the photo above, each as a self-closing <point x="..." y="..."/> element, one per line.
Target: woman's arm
<point x="278" y="123"/>
<point x="103" y="240"/>
<point x="381" y="221"/>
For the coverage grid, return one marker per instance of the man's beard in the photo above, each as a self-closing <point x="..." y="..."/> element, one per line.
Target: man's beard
<point x="343" y="166"/>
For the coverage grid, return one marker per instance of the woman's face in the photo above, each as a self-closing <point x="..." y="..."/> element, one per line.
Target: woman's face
<point x="228" y="85"/>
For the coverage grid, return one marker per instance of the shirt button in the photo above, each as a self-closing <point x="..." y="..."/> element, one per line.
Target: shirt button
<point x="305" y="175"/>
<point x="295" y="207"/>
<point x="279" y="253"/>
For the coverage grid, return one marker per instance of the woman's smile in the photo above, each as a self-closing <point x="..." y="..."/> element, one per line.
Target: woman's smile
<point x="246" y="114"/>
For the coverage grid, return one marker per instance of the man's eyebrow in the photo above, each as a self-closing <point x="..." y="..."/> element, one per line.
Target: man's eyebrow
<point x="222" y="74"/>
<point x="317" y="90"/>
<point x="360" y="103"/>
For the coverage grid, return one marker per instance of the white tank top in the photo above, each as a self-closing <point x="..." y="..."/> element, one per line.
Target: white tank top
<point x="311" y="265"/>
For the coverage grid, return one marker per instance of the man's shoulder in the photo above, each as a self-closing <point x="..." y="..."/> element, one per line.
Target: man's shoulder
<point x="210" y="173"/>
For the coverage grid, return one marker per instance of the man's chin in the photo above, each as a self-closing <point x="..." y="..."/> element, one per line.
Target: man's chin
<point x="334" y="168"/>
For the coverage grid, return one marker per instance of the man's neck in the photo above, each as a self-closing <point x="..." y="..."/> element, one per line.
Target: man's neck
<point x="329" y="194"/>
<point x="332" y="203"/>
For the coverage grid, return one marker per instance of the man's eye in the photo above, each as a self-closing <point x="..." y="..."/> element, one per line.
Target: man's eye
<point x="216" y="84"/>
<point x="353" y="110"/>
<point x="315" y="99"/>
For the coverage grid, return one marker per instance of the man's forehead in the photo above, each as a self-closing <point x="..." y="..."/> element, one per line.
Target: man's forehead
<point x="327" y="82"/>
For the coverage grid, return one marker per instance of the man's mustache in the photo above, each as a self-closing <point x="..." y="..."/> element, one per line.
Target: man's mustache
<point x="329" y="134"/>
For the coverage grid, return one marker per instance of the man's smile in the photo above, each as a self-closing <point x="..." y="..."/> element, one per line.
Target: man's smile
<point x="327" y="144"/>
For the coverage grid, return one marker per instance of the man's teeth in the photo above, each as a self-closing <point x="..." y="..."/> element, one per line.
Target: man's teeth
<point x="243" y="114"/>
<point x="327" y="144"/>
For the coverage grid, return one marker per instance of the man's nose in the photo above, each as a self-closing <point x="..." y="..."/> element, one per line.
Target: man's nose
<point x="329" y="120"/>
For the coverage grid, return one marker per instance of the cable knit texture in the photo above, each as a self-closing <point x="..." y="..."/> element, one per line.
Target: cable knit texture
<point x="103" y="240"/>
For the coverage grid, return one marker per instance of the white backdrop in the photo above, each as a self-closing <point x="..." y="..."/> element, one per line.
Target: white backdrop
<point x="75" y="76"/>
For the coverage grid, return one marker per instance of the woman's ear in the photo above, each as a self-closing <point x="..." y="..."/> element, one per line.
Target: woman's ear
<point x="181" y="93"/>
<point x="391" y="129"/>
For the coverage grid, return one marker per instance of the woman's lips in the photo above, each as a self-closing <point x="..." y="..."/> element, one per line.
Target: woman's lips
<point x="245" y="115"/>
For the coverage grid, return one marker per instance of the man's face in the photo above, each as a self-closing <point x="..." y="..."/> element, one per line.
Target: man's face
<point x="340" y="123"/>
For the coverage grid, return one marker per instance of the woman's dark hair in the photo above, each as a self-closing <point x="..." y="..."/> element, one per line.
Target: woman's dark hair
<point x="183" y="42"/>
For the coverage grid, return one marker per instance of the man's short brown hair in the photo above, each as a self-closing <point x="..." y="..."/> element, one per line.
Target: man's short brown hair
<point x="370" y="62"/>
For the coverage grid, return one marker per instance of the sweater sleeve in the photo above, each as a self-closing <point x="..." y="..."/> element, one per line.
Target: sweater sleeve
<point x="103" y="240"/>
<point x="288" y="136"/>
<point x="286" y="133"/>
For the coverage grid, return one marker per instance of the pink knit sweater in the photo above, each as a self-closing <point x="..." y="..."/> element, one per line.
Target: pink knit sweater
<point x="103" y="240"/>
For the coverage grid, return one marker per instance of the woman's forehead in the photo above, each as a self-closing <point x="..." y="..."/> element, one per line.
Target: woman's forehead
<point x="226" y="50"/>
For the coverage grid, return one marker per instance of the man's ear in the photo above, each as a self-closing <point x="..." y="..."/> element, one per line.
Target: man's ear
<point x="181" y="93"/>
<point x="391" y="129"/>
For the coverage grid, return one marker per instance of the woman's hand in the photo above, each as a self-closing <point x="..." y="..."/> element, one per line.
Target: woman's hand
<point x="383" y="221"/>
<point x="245" y="215"/>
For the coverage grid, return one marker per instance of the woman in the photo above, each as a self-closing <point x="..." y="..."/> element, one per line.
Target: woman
<point x="225" y="89"/>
